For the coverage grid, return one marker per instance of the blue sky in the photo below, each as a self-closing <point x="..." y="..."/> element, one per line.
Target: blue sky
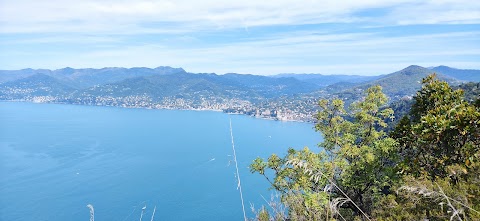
<point x="367" y="37"/>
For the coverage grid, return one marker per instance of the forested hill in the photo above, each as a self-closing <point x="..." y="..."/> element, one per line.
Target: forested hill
<point x="460" y="74"/>
<point x="398" y="84"/>
<point x="287" y="96"/>
<point x="88" y="77"/>
<point x="158" y="82"/>
<point x="326" y="80"/>
<point x="208" y="86"/>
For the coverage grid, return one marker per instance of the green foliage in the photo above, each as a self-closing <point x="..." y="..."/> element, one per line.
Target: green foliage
<point x="471" y="92"/>
<point x="443" y="134"/>
<point x="400" y="108"/>
<point x="358" y="158"/>
<point x="263" y="215"/>
<point x="428" y="168"/>
<point x="423" y="199"/>
<point x="440" y="150"/>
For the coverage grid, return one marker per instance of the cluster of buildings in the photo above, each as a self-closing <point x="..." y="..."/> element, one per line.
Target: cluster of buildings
<point x="280" y="109"/>
<point x="283" y="108"/>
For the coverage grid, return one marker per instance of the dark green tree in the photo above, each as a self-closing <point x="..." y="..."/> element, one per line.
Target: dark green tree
<point x="441" y="136"/>
<point x="440" y="151"/>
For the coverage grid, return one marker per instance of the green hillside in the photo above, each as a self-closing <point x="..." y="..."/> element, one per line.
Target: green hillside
<point x="398" y="84"/>
<point x="460" y="74"/>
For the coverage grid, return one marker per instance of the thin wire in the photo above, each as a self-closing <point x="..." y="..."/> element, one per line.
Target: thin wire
<point x="239" y="186"/>
<point x="342" y="217"/>
<point x="155" y="208"/>
<point x="454" y="200"/>
<point x="141" y="215"/>
<point x="134" y="209"/>
<point x="344" y="194"/>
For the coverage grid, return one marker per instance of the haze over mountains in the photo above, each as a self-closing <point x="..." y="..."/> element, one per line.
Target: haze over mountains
<point x="404" y="82"/>
<point x="167" y="87"/>
<point x="326" y="80"/>
<point x="88" y="77"/>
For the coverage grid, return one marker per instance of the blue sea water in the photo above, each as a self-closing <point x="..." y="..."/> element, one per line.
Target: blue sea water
<point x="55" y="159"/>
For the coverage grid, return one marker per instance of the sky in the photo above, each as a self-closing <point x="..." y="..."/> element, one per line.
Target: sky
<point x="367" y="37"/>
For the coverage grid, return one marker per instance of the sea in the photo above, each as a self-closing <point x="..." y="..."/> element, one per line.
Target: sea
<point x="55" y="159"/>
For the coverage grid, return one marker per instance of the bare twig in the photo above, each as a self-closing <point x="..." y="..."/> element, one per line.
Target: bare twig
<point x="272" y="205"/>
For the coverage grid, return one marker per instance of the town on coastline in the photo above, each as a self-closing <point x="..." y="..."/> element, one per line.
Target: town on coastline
<point x="285" y="109"/>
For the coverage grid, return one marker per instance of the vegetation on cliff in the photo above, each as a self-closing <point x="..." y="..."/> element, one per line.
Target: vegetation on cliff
<point x="428" y="167"/>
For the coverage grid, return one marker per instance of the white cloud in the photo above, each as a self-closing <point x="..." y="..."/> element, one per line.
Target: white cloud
<point x="366" y="53"/>
<point x="437" y="12"/>
<point x="116" y="16"/>
<point x="99" y="33"/>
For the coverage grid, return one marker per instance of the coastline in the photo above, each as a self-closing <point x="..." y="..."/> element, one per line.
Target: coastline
<point x="166" y="108"/>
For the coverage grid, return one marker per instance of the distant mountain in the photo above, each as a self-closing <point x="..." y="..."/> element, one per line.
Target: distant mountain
<point x="460" y="74"/>
<point x="405" y="82"/>
<point x="285" y="96"/>
<point x="7" y="75"/>
<point x="75" y="85"/>
<point x="326" y="80"/>
<point x="34" y="85"/>
<point x="340" y="86"/>
<point x="85" y="78"/>
<point x="269" y="86"/>
<point x="187" y="85"/>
